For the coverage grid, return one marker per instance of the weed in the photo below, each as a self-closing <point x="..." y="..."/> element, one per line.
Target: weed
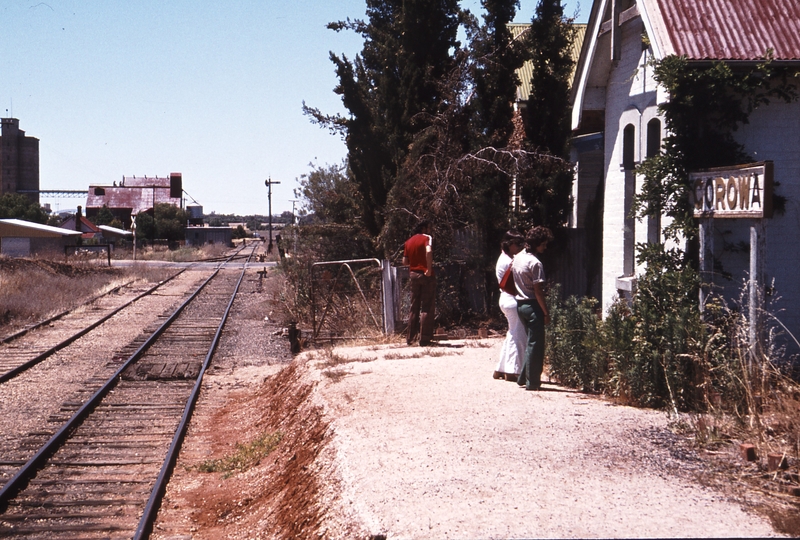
<point x="425" y="353"/>
<point x="245" y="456"/>
<point x="660" y="352"/>
<point x="182" y="254"/>
<point x="330" y="358"/>
<point x="476" y="344"/>
<point x="335" y="375"/>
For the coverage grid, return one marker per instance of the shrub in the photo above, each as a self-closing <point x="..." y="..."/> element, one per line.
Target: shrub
<point x="572" y="342"/>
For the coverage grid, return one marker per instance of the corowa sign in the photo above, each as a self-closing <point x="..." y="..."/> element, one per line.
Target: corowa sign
<point x="743" y="191"/>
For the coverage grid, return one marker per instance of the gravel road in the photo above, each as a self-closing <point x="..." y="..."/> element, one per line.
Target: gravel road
<point x="433" y="447"/>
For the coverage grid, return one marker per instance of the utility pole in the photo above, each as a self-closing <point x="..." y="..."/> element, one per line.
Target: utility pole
<point x="294" y="222"/>
<point x="268" y="182"/>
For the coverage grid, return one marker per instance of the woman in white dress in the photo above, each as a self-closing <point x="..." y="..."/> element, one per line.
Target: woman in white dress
<point x="511" y="355"/>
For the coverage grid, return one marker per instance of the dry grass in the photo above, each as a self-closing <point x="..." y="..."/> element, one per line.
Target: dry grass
<point x="328" y="358"/>
<point x="480" y="344"/>
<point x="182" y="254"/>
<point x="34" y="289"/>
<point x="334" y="375"/>
<point x="758" y="402"/>
<point x="425" y="353"/>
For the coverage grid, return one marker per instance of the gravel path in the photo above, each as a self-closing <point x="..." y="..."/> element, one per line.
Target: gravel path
<point x="433" y="447"/>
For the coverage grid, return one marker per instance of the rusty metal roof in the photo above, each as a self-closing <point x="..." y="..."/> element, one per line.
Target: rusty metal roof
<point x="525" y="73"/>
<point x="145" y="181"/>
<point x="137" y="198"/>
<point x="114" y="232"/>
<point x="732" y="29"/>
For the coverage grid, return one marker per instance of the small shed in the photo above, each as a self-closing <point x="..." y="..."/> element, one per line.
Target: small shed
<point x="113" y="233"/>
<point x="19" y="238"/>
<point x="198" y="236"/>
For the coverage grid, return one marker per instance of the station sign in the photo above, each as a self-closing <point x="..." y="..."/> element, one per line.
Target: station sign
<point x="742" y="191"/>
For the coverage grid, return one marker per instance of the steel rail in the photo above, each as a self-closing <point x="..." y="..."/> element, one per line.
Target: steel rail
<point x="153" y="503"/>
<point x="49" y="352"/>
<point x="38" y="461"/>
<point x="54" y="349"/>
<point x="19" y="480"/>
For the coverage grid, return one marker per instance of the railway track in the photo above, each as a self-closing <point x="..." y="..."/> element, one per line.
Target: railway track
<point x="103" y="472"/>
<point x="23" y="350"/>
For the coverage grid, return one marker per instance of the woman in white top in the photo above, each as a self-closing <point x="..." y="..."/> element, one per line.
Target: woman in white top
<point x="511" y="354"/>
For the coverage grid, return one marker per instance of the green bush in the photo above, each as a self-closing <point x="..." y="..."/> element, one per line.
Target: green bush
<point x="572" y="342"/>
<point x="652" y="353"/>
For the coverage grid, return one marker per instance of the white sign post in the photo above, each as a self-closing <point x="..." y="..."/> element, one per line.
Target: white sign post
<point x="133" y="226"/>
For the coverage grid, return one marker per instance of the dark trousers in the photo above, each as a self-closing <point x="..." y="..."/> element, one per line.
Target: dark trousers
<point x="532" y="316"/>
<point x="423" y="304"/>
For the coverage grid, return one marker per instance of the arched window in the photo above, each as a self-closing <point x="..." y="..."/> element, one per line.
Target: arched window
<point x="628" y="147"/>
<point x="653" y="137"/>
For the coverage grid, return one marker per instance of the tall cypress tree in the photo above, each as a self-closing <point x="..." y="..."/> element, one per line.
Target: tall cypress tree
<point x="546" y="186"/>
<point x="549" y="42"/>
<point x="496" y="59"/>
<point x="407" y="51"/>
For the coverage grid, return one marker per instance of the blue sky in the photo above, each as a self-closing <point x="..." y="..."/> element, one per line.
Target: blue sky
<point x="213" y="90"/>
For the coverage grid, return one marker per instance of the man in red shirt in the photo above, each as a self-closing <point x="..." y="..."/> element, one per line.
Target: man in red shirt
<point x="418" y="255"/>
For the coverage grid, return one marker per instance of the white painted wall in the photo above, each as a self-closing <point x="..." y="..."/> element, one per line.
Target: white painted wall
<point x="774" y="134"/>
<point x="630" y="99"/>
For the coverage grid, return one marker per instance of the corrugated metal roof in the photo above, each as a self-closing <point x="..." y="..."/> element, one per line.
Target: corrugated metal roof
<point x="113" y="231"/>
<point x="733" y="29"/>
<point x="526" y="71"/>
<point x="27" y="229"/>
<point x="145" y="181"/>
<point x="138" y="199"/>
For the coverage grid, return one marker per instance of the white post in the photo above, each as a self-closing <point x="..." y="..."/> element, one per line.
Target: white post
<point x="388" y="278"/>
<point x="133" y="226"/>
<point x="706" y="259"/>
<point x="754" y="284"/>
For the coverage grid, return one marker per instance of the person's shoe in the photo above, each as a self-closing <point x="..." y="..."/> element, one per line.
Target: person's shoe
<point x="511" y="377"/>
<point x="497" y="375"/>
<point x="533" y="387"/>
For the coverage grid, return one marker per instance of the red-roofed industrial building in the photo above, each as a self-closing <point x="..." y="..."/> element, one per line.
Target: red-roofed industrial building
<point x="134" y="195"/>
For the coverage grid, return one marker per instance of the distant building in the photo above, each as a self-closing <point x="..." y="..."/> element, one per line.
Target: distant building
<point x="198" y="236"/>
<point x="19" y="238"/>
<point x="525" y="73"/>
<point x="134" y="195"/>
<point x="78" y="222"/>
<point x="19" y="161"/>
